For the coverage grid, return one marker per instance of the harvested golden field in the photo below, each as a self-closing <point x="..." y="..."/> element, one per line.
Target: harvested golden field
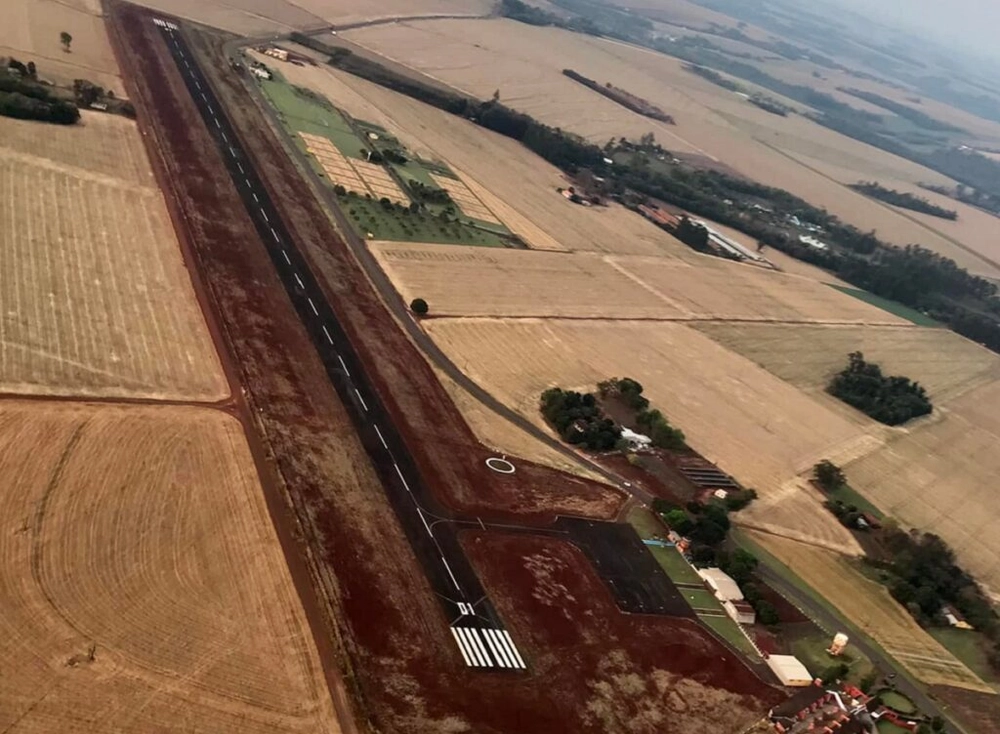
<point x="142" y="583"/>
<point x="94" y="294"/>
<point x="513" y="183"/>
<point x="30" y="32"/>
<point x="755" y="426"/>
<point x="942" y="477"/>
<point x="869" y="606"/>
<point x="807" y="356"/>
<point x="525" y="63"/>
<point x="247" y="17"/>
<point x="471" y="281"/>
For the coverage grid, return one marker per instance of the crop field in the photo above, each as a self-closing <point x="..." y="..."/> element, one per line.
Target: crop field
<point x="941" y="476"/>
<point x="525" y="63"/>
<point x="333" y="163"/>
<point x="142" y="583"/>
<point x="807" y="355"/>
<point x="470" y="205"/>
<point x="869" y="606"/>
<point x="94" y="294"/>
<point x="755" y="426"/>
<point x="511" y="182"/>
<point x="30" y="32"/>
<point x="470" y="283"/>
<point x="244" y="17"/>
<point x="314" y="116"/>
<point x="640" y="673"/>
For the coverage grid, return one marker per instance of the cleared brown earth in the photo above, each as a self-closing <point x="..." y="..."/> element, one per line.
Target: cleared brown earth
<point x="142" y="533"/>
<point x="640" y="673"/>
<point x="94" y="293"/>
<point x="807" y="356"/>
<point x="471" y="281"/>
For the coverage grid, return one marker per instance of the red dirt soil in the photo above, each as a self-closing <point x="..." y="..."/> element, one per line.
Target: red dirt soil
<point x="640" y="673"/>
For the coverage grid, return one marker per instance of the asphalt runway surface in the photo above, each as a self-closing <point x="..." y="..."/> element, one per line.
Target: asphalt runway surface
<point x="616" y="552"/>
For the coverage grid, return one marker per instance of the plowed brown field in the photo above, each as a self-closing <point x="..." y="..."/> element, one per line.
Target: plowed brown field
<point x="142" y="533"/>
<point x="95" y="299"/>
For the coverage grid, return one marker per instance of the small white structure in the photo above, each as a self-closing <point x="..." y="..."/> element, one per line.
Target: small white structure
<point x="278" y="53"/>
<point x="790" y="671"/>
<point x="740" y="611"/>
<point x="806" y="239"/>
<point x="721" y="584"/>
<point x="720" y="494"/>
<point x="839" y="643"/>
<point x="636" y="440"/>
<point x="260" y="72"/>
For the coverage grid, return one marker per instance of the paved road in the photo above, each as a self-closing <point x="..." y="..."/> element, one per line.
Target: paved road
<point x="402" y="312"/>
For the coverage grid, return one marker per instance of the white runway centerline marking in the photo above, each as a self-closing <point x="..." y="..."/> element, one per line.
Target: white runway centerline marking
<point x="197" y="84"/>
<point x="396" y="467"/>
<point x="423" y="519"/>
<point x="363" y="403"/>
<point x="313" y="307"/>
<point x="299" y="281"/>
<point x="327" y="333"/>
<point x="381" y="437"/>
<point x="225" y="139"/>
<point x="257" y="201"/>
<point x="453" y="580"/>
<point x="204" y="97"/>
<point x="264" y="214"/>
<point x="275" y="235"/>
<point x="346" y="371"/>
<point x="285" y="253"/>
<point x="216" y="121"/>
<point x="231" y="151"/>
<point x="240" y="166"/>
<point x="247" y="181"/>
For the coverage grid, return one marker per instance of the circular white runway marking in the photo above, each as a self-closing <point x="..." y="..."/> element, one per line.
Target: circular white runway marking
<point x="500" y="466"/>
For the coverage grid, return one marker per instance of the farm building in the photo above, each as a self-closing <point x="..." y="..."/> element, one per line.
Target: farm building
<point x="740" y="611"/>
<point x="789" y="670"/>
<point x="277" y="53"/>
<point x="721" y="584"/>
<point x="816" y="709"/>
<point x="261" y="72"/>
<point x="955" y="619"/>
<point x="636" y="440"/>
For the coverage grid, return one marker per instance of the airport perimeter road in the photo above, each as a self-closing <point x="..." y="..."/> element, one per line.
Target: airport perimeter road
<point x="478" y="632"/>
<point x="402" y="313"/>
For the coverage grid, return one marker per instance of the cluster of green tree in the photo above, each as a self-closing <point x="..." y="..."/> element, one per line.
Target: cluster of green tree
<point x="968" y="195"/>
<point x="532" y="15"/>
<point x="620" y="96"/>
<point x="428" y="194"/>
<point x="828" y="476"/>
<point x="769" y="104"/>
<point x="705" y="525"/>
<point x="923" y="577"/>
<point x="917" y="117"/>
<point x="651" y="421"/>
<point x="713" y="76"/>
<point x="913" y="275"/>
<point x="903" y="199"/>
<point x="693" y="235"/>
<point x="26" y="99"/>
<point x="26" y="71"/>
<point x="394" y="155"/>
<point x="890" y="400"/>
<point x="968" y="167"/>
<point x="578" y="419"/>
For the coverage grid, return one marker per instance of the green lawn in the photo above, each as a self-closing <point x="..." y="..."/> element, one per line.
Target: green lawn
<point x="970" y="647"/>
<point x="645" y="523"/>
<point x="809" y="644"/>
<point x="369" y="216"/>
<point x="896" y="309"/>
<point x="302" y="114"/>
<point x="679" y="570"/>
<point x="728" y="630"/>
<point x="849" y="496"/>
<point x="701" y="599"/>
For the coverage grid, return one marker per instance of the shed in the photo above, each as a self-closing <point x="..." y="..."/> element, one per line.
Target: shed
<point x="790" y="671"/>
<point x="740" y="611"/>
<point x="721" y="584"/>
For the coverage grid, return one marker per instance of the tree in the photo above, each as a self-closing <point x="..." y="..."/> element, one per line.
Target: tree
<point x="339" y="190"/>
<point x="829" y="476"/>
<point x="767" y="614"/>
<point x="834" y="673"/>
<point x="678" y="521"/>
<point x="65" y="39"/>
<point x="32" y="70"/>
<point x="419" y="306"/>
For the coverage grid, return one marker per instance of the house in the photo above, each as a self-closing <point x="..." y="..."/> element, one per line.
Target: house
<point x="636" y="440"/>
<point x="790" y="671"/>
<point x="955" y="619"/>
<point x="721" y="584"/>
<point x="261" y="72"/>
<point x="740" y="611"/>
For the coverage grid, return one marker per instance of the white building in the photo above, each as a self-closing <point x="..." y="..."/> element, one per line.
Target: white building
<point x="812" y="242"/>
<point x="789" y="670"/>
<point x="261" y="72"/>
<point x="636" y="440"/>
<point x="721" y="584"/>
<point x="740" y="611"/>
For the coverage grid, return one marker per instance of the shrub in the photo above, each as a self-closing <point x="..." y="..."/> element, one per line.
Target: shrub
<point x="891" y="400"/>
<point x="829" y="476"/>
<point x="419" y="306"/>
<point x="340" y="191"/>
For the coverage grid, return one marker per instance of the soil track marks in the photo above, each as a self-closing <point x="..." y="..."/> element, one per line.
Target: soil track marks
<point x="143" y="531"/>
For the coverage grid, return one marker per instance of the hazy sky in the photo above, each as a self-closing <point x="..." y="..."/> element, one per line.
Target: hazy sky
<point x="971" y="22"/>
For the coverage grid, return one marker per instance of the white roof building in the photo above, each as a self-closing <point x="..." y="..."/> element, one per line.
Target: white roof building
<point x="721" y="584"/>
<point x="636" y="440"/>
<point x="789" y="670"/>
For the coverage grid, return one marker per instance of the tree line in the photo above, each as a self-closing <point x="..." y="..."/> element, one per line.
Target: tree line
<point x="903" y="199"/>
<point x="26" y="99"/>
<point x="626" y="99"/>
<point x="912" y="275"/>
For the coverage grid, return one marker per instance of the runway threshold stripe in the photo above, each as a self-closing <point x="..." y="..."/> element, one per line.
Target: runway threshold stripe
<point x="380" y="437"/>
<point x="493" y="649"/>
<point x="505" y="636"/>
<point x="363" y="403"/>
<point x="474" y="634"/>
<point x="461" y="647"/>
<point x="313" y="307"/>
<point x="497" y="647"/>
<point x="327" y="334"/>
<point x="473" y="652"/>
